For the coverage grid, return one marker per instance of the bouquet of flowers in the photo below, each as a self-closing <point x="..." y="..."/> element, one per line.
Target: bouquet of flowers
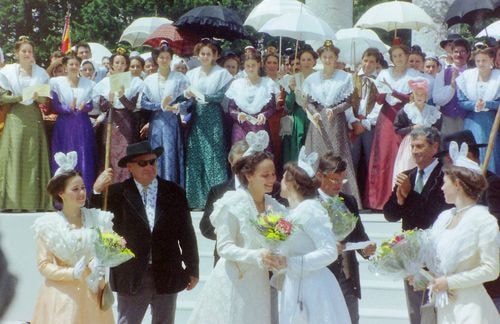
<point x="403" y="255"/>
<point x="343" y="221"/>
<point x="110" y="251"/>
<point x="274" y="228"/>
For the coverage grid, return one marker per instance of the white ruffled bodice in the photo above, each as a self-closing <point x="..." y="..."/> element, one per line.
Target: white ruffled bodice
<point x="252" y="98"/>
<point x="331" y="91"/>
<point x="312" y="238"/>
<point x="476" y="231"/>
<point x="65" y="241"/>
<point x="399" y="84"/>
<point x="426" y="118"/>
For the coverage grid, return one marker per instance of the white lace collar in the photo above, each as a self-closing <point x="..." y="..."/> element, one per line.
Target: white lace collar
<point x="399" y="84"/>
<point x="210" y="83"/>
<point x="11" y="79"/>
<point x="65" y="241"/>
<point x="331" y="91"/>
<point x="428" y="117"/>
<point x="251" y="98"/>
<point x="103" y="88"/>
<point x="83" y="91"/>
<point x="467" y="81"/>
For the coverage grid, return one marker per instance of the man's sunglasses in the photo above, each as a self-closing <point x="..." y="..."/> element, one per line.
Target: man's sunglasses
<point x="143" y="163"/>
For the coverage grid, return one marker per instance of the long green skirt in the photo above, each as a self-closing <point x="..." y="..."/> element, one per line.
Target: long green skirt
<point x="24" y="161"/>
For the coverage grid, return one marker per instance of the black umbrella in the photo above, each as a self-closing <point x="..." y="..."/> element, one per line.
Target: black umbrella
<point x="212" y="21"/>
<point x="471" y="11"/>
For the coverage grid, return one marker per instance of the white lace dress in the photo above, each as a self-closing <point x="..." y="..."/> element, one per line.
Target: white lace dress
<point x="238" y="290"/>
<point x="469" y="256"/>
<point x="309" y="251"/>
<point x="63" y="299"/>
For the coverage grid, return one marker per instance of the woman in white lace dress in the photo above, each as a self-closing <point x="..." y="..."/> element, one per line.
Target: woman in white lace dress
<point x="238" y="290"/>
<point x="466" y="242"/>
<point x="65" y="245"/>
<point x="309" y="250"/>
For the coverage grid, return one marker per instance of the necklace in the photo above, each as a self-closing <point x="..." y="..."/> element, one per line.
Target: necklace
<point x="460" y="210"/>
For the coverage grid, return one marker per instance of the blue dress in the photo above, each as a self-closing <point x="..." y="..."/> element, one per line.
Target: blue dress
<point x="73" y="130"/>
<point x="164" y="126"/>
<point x="470" y="90"/>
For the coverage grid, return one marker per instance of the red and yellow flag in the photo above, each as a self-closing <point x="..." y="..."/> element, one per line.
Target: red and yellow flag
<point x="66" y="38"/>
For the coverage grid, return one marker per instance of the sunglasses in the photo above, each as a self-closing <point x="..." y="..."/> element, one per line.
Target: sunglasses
<point x="143" y="163"/>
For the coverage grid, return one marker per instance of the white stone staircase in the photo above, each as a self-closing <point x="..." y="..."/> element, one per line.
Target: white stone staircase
<point x="383" y="298"/>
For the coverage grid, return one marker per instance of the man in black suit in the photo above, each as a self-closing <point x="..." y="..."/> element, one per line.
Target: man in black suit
<point x="331" y="173"/>
<point x="152" y="215"/>
<point x="417" y="198"/>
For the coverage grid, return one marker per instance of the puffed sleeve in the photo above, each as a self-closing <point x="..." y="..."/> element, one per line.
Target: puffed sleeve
<point x="48" y="266"/>
<point x="488" y="267"/>
<point x="227" y="228"/>
<point x="318" y="228"/>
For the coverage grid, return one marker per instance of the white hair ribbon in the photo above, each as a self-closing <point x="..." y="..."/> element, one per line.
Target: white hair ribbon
<point x="257" y="142"/>
<point x="307" y="162"/>
<point x="459" y="157"/>
<point x="66" y="162"/>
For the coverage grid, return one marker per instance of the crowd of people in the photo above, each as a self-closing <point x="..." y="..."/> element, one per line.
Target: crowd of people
<point x="381" y="133"/>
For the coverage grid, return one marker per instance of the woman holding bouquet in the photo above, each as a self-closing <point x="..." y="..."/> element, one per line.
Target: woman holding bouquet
<point x="465" y="242"/>
<point x="238" y="290"/>
<point x="65" y="244"/>
<point x="309" y="250"/>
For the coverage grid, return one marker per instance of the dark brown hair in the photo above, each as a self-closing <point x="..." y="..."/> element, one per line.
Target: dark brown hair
<point x="402" y="47"/>
<point x="208" y="44"/>
<point x="139" y="59"/>
<point x="251" y="56"/>
<point x="163" y="48"/>
<point x="330" y="162"/>
<point x="115" y="55"/>
<point x="70" y="56"/>
<point x="328" y="46"/>
<point x="372" y="51"/>
<point x="308" y="50"/>
<point x="471" y="182"/>
<point x="246" y="165"/>
<point x="59" y="182"/>
<point x="305" y="185"/>
<point x="489" y="51"/>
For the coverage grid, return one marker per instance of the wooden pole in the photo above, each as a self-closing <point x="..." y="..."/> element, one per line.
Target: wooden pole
<point x="107" y="158"/>
<point x="491" y="141"/>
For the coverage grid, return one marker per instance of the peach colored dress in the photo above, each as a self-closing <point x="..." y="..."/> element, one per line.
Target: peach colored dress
<point x="63" y="299"/>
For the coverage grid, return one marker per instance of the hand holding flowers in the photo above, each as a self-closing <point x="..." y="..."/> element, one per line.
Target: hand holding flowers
<point x="343" y="221"/>
<point x="110" y="251"/>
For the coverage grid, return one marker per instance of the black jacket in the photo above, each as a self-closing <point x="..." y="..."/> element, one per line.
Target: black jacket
<point x="357" y="235"/>
<point x="419" y="210"/>
<point x="171" y="242"/>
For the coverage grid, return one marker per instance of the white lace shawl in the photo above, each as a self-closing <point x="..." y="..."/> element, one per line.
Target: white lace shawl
<point x="83" y="92"/>
<point x="209" y="84"/>
<point x="400" y="85"/>
<point x="477" y="228"/>
<point x="251" y="98"/>
<point x="428" y="117"/>
<point x="11" y="79"/>
<point x="328" y="92"/>
<point x="175" y="84"/>
<point x="67" y="243"/>
<point x="103" y="88"/>
<point x="467" y="82"/>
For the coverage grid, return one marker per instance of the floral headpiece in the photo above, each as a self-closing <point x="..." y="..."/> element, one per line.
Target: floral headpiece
<point x="66" y="162"/>
<point x="307" y="162"/>
<point x="24" y="38"/>
<point x="121" y="51"/>
<point x="460" y="159"/>
<point x="257" y="142"/>
<point x="419" y="84"/>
